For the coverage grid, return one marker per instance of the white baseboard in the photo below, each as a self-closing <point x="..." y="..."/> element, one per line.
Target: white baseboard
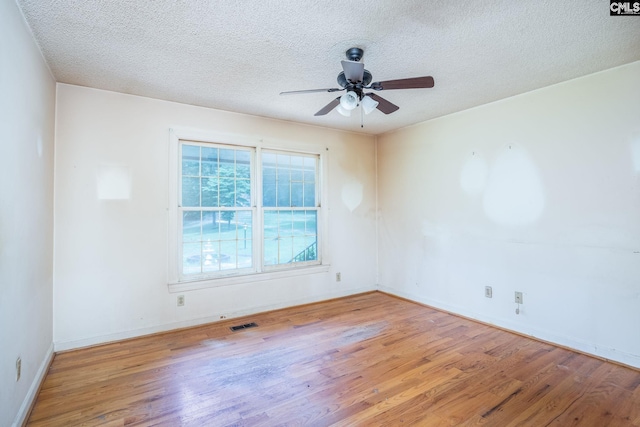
<point x="614" y="355"/>
<point x="118" y="336"/>
<point x="29" y="399"/>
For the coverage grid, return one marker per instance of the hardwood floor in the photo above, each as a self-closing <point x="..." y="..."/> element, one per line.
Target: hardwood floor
<point x="365" y="360"/>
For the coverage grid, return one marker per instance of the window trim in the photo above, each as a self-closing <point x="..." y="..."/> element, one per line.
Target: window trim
<point x="177" y="283"/>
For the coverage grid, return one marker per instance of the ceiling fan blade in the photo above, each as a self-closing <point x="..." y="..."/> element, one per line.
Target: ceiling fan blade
<point x="353" y="71"/>
<point x="327" y="108"/>
<point x="412" y="83"/>
<point x="293" y="92"/>
<point x="383" y="105"/>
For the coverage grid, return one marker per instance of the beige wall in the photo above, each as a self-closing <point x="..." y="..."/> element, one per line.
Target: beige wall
<point x="26" y="209"/>
<point x="111" y="255"/>
<point x="538" y="193"/>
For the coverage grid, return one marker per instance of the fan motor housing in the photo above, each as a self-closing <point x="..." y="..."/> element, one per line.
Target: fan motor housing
<point x="366" y="79"/>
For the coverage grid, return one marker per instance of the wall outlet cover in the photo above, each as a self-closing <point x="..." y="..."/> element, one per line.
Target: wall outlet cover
<point x="518" y="298"/>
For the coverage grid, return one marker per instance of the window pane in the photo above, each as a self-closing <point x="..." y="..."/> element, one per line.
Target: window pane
<point x="271" y="251"/>
<point x="284" y="195"/>
<point x="270" y="224"/>
<point x="190" y="160"/>
<point x="269" y="160"/>
<point x="285" y="223"/>
<point x="269" y="194"/>
<point x="225" y="177"/>
<point x="268" y="179"/>
<point x="299" y="223"/>
<point x="296" y="172"/>
<point x="216" y="240"/>
<point x="227" y="160"/>
<point x="210" y="258"/>
<point x="190" y="191"/>
<point x="191" y="258"/>
<point x="305" y="245"/>
<point x="309" y="169"/>
<point x="211" y="226"/>
<point x="228" y="255"/>
<point x="283" y="161"/>
<point x="227" y="192"/>
<point x="296" y="239"/>
<point x="245" y="253"/>
<point x="209" y="192"/>
<point x="288" y="180"/>
<point x="243" y="193"/>
<point x="227" y="225"/>
<point x="296" y="194"/>
<point x="311" y="223"/>
<point x="309" y="195"/>
<point x="244" y="232"/>
<point x="244" y="218"/>
<point x="285" y="251"/>
<point x="305" y="249"/>
<point x="209" y="161"/>
<point x="272" y="239"/>
<point x="243" y="169"/>
<point x="191" y="226"/>
<point x="299" y="249"/>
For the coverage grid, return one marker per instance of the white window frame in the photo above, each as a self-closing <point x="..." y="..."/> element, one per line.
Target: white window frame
<point x="317" y="208"/>
<point x="178" y="283"/>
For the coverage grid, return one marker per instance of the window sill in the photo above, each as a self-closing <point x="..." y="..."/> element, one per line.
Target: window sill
<point x="246" y="278"/>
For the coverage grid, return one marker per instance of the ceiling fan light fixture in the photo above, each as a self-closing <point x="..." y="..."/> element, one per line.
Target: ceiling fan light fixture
<point x="368" y="104"/>
<point x="340" y="109"/>
<point x="349" y="100"/>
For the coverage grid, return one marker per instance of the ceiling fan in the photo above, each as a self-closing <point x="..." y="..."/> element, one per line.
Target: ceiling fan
<point x="355" y="79"/>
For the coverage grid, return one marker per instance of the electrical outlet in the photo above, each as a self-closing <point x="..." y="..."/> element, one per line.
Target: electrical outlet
<point x="18" y="368"/>
<point x="519" y="297"/>
<point x="180" y="300"/>
<point x="338" y="277"/>
<point x="488" y="292"/>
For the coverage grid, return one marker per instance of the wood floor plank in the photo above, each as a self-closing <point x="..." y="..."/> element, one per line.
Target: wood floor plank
<point x="364" y="360"/>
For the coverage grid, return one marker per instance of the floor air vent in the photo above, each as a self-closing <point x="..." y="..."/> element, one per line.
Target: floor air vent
<point x="245" y="326"/>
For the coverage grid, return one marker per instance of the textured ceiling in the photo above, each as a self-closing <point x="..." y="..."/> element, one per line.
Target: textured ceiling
<point x="239" y="55"/>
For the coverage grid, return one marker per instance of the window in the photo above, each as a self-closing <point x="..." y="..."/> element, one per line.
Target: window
<point x="217" y="218"/>
<point x="290" y="212"/>
<point x="241" y="210"/>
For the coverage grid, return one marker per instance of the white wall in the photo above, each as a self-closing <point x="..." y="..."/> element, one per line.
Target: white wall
<point x="538" y="193"/>
<point x="26" y="207"/>
<point x="111" y="256"/>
